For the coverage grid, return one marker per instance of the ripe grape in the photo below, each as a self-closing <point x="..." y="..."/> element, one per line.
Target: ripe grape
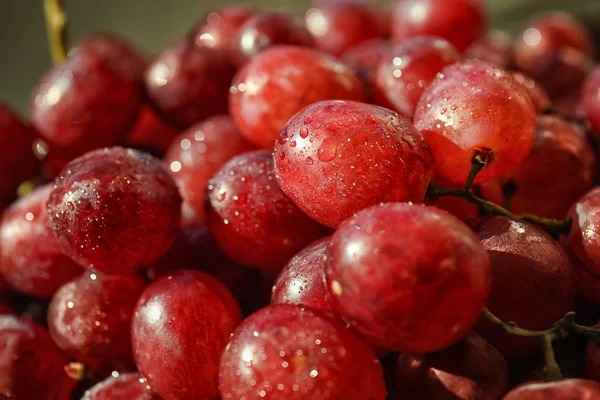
<point x="188" y="83"/>
<point x="476" y="109"/>
<point x="31" y="366"/>
<point x="31" y="259"/>
<point x="365" y="56"/>
<point x="410" y="278"/>
<point x="582" y="242"/>
<point x="196" y="155"/>
<point x="268" y="29"/>
<point x="115" y="210"/>
<point x="122" y="387"/>
<point x="536" y="92"/>
<point x="180" y="328"/>
<point x="90" y="320"/>
<point x="297" y="77"/>
<point x="339" y="25"/>
<point x="220" y="28"/>
<point x="407" y="69"/>
<point x="495" y="48"/>
<point x="461" y="22"/>
<point x="294" y="353"/>
<point x="561" y="164"/>
<point x="302" y="280"/>
<point x="150" y="132"/>
<point x="251" y="219"/>
<point x="17" y="161"/>
<point x="335" y="158"/>
<point x="591" y="100"/>
<point x="470" y="369"/>
<point x="92" y="99"/>
<point x="568" y="389"/>
<point x="533" y="282"/>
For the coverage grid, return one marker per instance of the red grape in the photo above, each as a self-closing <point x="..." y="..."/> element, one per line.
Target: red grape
<point x="278" y="83"/>
<point x="292" y="353"/>
<point x="91" y="100"/>
<point x="122" y="387"/>
<point x="17" y="160"/>
<point x="471" y="369"/>
<point x="533" y="282"/>
<point x="365" y="56"/>
<point x="461" y="22"/>
<point x="251" y="219"/>
<point x="338" y="25"/>
<point x="406" y="70"/>
<point x="408" y="277"/>
<point x="268" y="29"/>
<point x="180" y="328"/>
<point x="536" y="92"/>
<point x="150" y="132"/>
<point x="568" y="389"/>
<point x="31" y="259"/>
<point x="588" y="283"/>
<point x="115" y="210"/>
<point x="5" y="310"/>
<point x="335" y="158"/>
<point x="474" y="108"/>
<point x="495" y="48"/>
<point x="196" y="155"/>
<point x="561" y="165"/>
<point x="583" y="241"/>
<point x="220" y="28"/>
<point x="302" y="280"/>
<point x="188" y="83"/>
<point x="591" y="100"/>
<point x="456" y="206"/>
<point x="90" y="320"/>
<point x="31" y="366"/>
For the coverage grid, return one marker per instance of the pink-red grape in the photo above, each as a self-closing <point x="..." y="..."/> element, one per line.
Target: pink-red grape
<point x="188" y="83"/>
<point x="294" y="353"/>
<point x="474" y="108"/>
<point x="408" y="277"/>
<point x="196" y="155"/>
<point x="281" y="81"/>
<point x="365" y="56"/>
<point x="583" y="241"/>
<point x="180" y="328"/>
<point x="568" y="389"/>
<point x="115" y="210"/>
<point x="406" y="70"/>
<point x="90" y="320"/>
<point x="335" y="158"/>
<point x="251" y="219"/>
<point x="122" y="387"/>
<point x="591" y="100"/>
<point x="150" y="132"/>
<point x="461" y="22"/>
<point x="31" y="259"/>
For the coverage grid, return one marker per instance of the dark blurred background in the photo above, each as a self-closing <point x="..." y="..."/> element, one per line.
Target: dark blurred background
<point x="154" y="24"/>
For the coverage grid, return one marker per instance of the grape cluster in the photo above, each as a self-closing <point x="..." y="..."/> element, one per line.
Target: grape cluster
<point x="353" y="205"/>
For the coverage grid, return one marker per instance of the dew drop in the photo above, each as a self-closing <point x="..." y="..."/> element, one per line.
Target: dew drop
<point x="303" y="133"/>
<point x="327" y="150"/>
<point x="310" y="161"/>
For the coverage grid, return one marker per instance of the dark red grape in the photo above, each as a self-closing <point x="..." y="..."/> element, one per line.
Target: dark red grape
<point x="294" y="353"/>
<point x="533" y="282"/>
<point x="461" y="22"/>
<point x="561" y="165"/>
<point x="582" y="242"/>
<point x="410" y="278"/>
<point x="150" y="132"/>
<point x="251" y="219"/>
<point x="188" y="83"/>
<point x="31" y="366"/>
<point x="17" y="160"/>
<point x="220" y="28"/>
<point x="302" y="280"/>
<point x="471" y="369"/>
<point x="495" y="48"/>
<point x="31" y="259"/>
<point x="536" y="92"/>
<point x="474" y="108"/>
<point x="115" y="210"/>
<point x="456" y="206"/>
<point x="591" y="100"/>
<point x="335" y="158"/>
<point x="568" y="389"/>
<point x="91" y="100"/>
<point x="365" y="56"/>
<point x="180" y="328"/>
<point x="339" y="25"/>
<point x="90" y="320"/>
<point x="278" y="83"/>
<point x="588" y="283"/>
<point x="5" y="310"/>
<point x="407" y="69"/>
<point x="268" y="29"/>
<point x="121" y="387"/>
<point x="196" y="155"/>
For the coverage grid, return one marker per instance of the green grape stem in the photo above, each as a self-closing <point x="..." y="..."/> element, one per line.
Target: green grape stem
<point x="56" y="26"/>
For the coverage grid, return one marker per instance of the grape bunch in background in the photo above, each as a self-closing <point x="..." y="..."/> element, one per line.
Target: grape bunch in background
<point x="353" y="204"/>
